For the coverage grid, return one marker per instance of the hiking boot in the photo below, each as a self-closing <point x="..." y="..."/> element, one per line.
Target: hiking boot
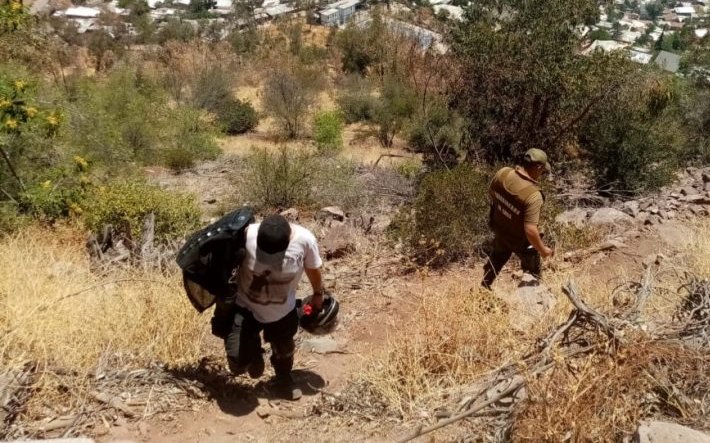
<point x="286" y="388"/>
<point x="256" y="367"/>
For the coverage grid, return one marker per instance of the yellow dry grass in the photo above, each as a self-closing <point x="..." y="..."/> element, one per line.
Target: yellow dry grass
<point x="58" y="314"/>
<point x="456" y="334"/>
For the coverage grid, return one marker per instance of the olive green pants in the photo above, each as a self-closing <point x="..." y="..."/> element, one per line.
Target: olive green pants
<point x="498" y="252"/>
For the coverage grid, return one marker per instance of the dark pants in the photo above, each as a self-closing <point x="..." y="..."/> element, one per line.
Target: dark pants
<point x="499" y="253"/>
<point x="243" y="343"/>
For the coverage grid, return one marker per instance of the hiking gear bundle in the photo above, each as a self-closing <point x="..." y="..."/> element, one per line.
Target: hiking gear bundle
<point x="321" y="321"/>
<point x="210" y="258"/>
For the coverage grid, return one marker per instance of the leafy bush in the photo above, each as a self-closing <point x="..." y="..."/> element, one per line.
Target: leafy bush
<point x="286" y="178"/>
<point x="212" y="89"/>
<point x="356" y="101"/>
<point x="435" y="131"/>
<point x="192" y="137"/>
<point x="394" y="107"/>
<point x="633" y="141"/>
<point x="176" y="29"/>
<point x="237" y="117"/>
<point x="124" y="205"/>
<point x="449" y="217"/>
<point x="127" y="119"/>
<point x="289" y="93"/>
<point x="328" y="132"/>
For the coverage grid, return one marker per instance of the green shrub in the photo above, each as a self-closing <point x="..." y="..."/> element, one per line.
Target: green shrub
<point x="127" y="119"/>
<point x="633" y="141"/>
<point x="176" y="29"/>
<point x="179" y="159"/>
<point x="10" y="218"/>
<point x="286" y="179"/>
<point x="192" y="139"/>
<point x="212" y="89"/>
<point x="237" y="117"/>
<point x="124" y="205"/>
<point x="449" y="217"/>
<point x="328" y="132"/>
<point x="356" y="101"/>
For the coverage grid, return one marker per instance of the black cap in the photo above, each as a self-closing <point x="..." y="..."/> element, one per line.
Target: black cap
<point x="274" y="234"/>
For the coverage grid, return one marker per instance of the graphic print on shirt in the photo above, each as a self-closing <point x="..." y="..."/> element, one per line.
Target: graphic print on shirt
<point x="269" y="287"/>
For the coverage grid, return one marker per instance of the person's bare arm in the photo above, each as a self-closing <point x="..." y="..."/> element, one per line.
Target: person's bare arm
<point x="533" y="235"/>
<point x="316" y="279"/>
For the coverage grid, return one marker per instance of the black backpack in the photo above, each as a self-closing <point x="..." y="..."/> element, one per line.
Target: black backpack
<point x="211" y="256"/>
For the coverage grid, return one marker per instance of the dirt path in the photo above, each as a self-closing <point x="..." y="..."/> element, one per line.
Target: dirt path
<point x="241" y="410"/>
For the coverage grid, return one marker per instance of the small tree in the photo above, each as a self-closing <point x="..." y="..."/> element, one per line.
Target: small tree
<point x="395" y="106"/>
<point x="328" y="131"/>
<point x="289" y="94"/>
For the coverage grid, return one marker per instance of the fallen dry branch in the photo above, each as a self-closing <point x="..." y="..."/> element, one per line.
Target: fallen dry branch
<point x="666" y="377"/>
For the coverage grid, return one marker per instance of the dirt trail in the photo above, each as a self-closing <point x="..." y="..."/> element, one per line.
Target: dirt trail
<point x="367" y="316"/>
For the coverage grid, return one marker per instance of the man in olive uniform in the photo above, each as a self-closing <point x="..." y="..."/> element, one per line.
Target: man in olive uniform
<point x="516" y="201"/>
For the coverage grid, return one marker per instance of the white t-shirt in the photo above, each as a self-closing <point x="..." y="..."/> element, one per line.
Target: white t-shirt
<point x="268" y="282"/>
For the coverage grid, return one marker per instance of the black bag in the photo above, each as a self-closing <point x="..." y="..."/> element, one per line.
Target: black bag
<point x="211" y="256"/>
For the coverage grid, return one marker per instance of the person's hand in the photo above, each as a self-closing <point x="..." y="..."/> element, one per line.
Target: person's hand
<point x="547" y="252"/>
<point x="317" y="300"/>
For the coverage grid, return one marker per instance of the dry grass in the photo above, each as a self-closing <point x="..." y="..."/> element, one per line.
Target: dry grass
<point x="455" y="335"/>
<point x="451" y="336"/>
<point x="58" y="314"/>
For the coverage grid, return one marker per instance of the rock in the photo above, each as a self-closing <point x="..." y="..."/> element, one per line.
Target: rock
<point x="673" y="234"/>
<point x="530" y="301"/>
<point x="653" y="210"/>
<point x="211" y="200"/>
<point x="653" y="259"/>
<point x="645" y="204"/>
<point x="609" y="216"/>
<point x="320" y="345"/>
<point x="631" y="207"/>
<point x="380" y="225"/>
<point x="694" y="198"/>
<point x="329" y="214"/>
<point x="687" y="190"/>
<point x="706" y="177"/>
<point x="674" y="195"/>
<point x="575" y="217"/>
<point x="290" y="214"/>
<point x="664" y="432"/>
<point x="338" y="242"/>
<point x="706" y="188"/>
<point x="610" y="245"/>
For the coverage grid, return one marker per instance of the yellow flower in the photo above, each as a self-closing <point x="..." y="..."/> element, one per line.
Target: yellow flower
<point x="11" y="123"/>
<point x="30" y="111"/>
<point x="76" y="209"/>
<point x="5" y="103"/>
<point x="15" y="6"/>
<point x="46" y="184"/>
<point x="84" y="180"/>
<point x="20" y="85"/>
<point x="81" y="162"/>
<point x="53" y="120"/>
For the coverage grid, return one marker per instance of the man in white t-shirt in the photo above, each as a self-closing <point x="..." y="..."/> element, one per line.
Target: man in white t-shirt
<point x="277" y="255"/>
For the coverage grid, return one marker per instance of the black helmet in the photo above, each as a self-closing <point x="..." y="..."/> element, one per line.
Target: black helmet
<point x="321" y="322"/>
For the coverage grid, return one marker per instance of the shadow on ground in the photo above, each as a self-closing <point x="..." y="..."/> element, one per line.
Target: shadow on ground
<point x="239" y="395"/>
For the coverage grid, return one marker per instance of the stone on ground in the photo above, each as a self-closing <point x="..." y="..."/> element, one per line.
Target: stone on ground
<point x="575" y="217"/>
<point x="338" y="242"/>
<point x="664" y="432"/>
<point x="320" y="345"/>
<point x="609" y="216"/>
<point x="329" y="214"/>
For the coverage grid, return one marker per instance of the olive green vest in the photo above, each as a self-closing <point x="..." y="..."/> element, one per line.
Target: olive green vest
<point x="508" y="210"/>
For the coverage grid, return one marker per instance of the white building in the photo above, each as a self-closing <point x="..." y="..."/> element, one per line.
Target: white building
<point x="338" y="13"/>
<point x="640" y="56"/>
<point x="605" y="45"/>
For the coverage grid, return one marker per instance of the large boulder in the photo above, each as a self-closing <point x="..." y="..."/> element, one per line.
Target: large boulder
<point x="609" y="216"/>
<point x="664" y="432"/>
<point x="575" y="217"/>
